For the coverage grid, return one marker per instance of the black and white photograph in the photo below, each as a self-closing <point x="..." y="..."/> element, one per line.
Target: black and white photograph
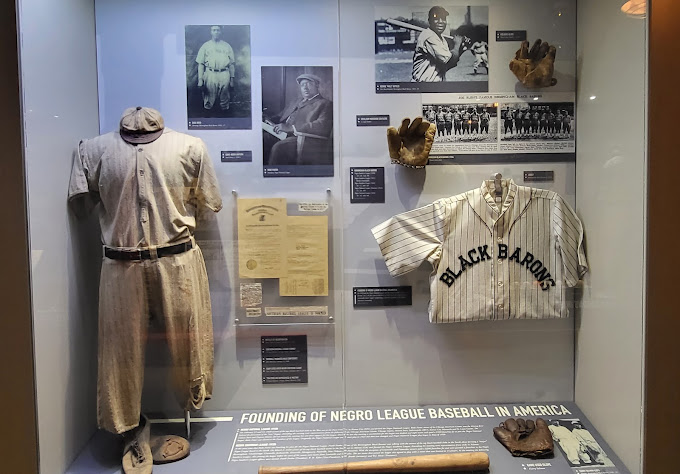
<point x="578" y="444"/>
<point x="297" y="121"/>
<point x="435" y="48"/>
<point x="462" y="123"/>
<point x="523" y="121"/>
<point x="218" y="77"/>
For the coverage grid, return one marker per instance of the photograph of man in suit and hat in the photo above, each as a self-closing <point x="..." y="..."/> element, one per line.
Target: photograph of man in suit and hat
<point x="300" y="132"/>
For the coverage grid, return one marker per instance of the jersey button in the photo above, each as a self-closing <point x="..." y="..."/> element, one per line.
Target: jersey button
<point x="500" y="306"/>
<point x="500" y="239"/>
<point x="139" y="149"/>
<point x="500" y="283"/>
<point x="500" y="260"/>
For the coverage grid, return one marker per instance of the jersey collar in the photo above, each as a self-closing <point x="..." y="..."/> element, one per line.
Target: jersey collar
<point x="516" y="201"/>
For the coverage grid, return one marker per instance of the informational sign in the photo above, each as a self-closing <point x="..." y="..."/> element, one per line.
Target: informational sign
<point x="331" y="435"/>
<point x="373" y="120"/>
<point x="539" y="176"/>
<point x="511" y="35"/>
<point x="244" y="156"/>
<point x="382" y="296"/>
<point x="367" y="185"/>
<point x="284" y="359"/>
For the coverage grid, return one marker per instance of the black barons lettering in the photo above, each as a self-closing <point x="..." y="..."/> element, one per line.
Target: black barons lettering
<point x="528" y="258"/>
<point x="481" y="254"/>
<point x="542" y="275"/>
<point x="502" y="251"/>
<point x="447" y="277"/>
<point x="516" y="254"/>
<point x="463" y="263"/>
<point x="535" y="267"/>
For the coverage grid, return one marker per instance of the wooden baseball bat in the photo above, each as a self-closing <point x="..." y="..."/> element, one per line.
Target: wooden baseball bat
<point x="411" y="27"/>
<point x="429" y="463"/>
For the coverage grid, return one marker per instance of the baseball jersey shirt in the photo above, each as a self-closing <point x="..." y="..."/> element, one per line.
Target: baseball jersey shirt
<point x="508" y="258"/>
<point x="215" y="54"/>
<point x="430" y="57"/>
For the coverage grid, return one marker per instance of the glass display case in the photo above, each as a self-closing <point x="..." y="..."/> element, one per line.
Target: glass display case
<point x="229" y="260"/>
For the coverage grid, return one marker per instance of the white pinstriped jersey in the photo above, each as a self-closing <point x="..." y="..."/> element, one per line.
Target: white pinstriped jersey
<point x="513" y="260"/>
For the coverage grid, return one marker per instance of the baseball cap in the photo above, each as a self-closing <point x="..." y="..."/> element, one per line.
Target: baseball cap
<point x="309" y="77"/>
<point x="437" y="11"/>
<point x="141" y="125"/>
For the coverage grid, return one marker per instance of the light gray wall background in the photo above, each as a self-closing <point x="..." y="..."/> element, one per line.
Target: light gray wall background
<point x="610" y="178"/>
<point x="395" y="356"/>
<point x="368" y="357"/>
<point x="280" y="35"/>
<point x="59" y="80"/>
<point x="411" y="361"/>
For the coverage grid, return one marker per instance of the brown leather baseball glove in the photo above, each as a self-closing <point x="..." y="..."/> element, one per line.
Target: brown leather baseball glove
<point x="535" y="68"/>
<point x="410" y="146"/>
<point x="525" y="438"/>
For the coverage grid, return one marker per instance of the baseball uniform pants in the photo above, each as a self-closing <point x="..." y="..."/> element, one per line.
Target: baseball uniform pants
<point x="173" y="292"/>
<point x="216" y="87"/>
<point x="481" y="60"/>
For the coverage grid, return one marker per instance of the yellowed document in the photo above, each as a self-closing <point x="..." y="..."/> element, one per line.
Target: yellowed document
<point x="261" y="238"/>
<point x="306" y="257"/>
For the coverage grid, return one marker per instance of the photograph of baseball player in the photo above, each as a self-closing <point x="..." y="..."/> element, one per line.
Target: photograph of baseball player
<point x="462" y="123"/>
<point x="432" y="48"/>
<point x="577" y="443"/>
<point x="297" y="121"/>
<point x="523" y="121"/>
<point x="218" y="77"/>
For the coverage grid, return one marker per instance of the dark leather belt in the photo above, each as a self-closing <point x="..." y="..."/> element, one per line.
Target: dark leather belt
<point x="145" y="254"/>
<point x="216" y="70"/>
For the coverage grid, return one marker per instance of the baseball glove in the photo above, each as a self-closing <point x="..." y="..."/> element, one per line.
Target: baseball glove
<point x="410" y="146"/>
<point x="535" y="68"/>
<point x="525" y="438"/>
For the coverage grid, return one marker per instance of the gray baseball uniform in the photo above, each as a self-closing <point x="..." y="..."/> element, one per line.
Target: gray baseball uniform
<point x="149" y="196"/>
<point x="218" y="59"/>
<point x="511" y="259"/>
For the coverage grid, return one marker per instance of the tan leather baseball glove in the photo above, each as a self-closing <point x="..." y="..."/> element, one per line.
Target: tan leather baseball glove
<point x="410" y="145"/>
<point x="525" y="438"/>
<point x="535" y="68"/>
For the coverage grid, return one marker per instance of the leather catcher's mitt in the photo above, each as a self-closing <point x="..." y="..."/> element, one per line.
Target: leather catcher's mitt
<point x="410" y="146"/>
<point x="535" y="68"/>
<point x="525" y="438"/>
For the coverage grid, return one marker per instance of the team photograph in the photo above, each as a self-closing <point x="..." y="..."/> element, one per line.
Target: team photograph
<point x="432" y="48"/>
<point x="462" y="123"/>
<point x="540" y="121"/>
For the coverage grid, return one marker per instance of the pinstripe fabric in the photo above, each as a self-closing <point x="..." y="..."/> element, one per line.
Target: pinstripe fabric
<point x="149" y="195"/>
<point x="511" y="259"/>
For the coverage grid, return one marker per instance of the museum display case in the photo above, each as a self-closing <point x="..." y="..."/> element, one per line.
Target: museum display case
<point x="242" y="257"/>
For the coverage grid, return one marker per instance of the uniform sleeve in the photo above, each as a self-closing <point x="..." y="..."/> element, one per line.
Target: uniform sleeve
<point x="82" y="183"/>
<point x="200" y="57"/>
<point x="207" y="191"/>
<point x="406" y="240"/>
<point x="78" y="183"/>
<point x="569" y="232"/>
<point x="232" y="57"/>
<point x="437" y="50"/>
